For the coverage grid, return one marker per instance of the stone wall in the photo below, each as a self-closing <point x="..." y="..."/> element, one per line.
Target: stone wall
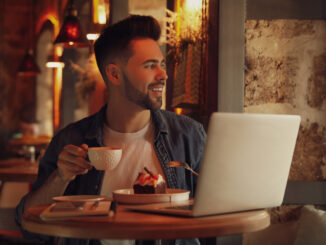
<point x="286" y="73"/>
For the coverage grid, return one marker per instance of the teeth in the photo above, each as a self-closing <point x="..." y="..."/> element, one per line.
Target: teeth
<point x="157" y="89"/>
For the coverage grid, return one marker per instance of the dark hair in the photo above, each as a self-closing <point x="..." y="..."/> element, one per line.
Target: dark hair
<point x="115" y="39"/>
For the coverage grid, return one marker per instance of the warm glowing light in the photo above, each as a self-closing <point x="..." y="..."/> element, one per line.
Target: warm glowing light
<point x="51" y="16"/>
<point x="56" y="97"/>
<point x="95" y="12"/>
<point x="58" y="50"/>
<point x="189" y="19"/>
<point x="178" y="110"/>
<point x="72" y="31"/>
<point x="55" y="64"/>
<point x="99" y="12"/>
<point x="92" y="36"/>
<point x="192" y="5"/>
<point x="71" y="34"/>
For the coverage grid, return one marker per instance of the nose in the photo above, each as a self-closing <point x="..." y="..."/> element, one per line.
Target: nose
<point x="161" y="74"/>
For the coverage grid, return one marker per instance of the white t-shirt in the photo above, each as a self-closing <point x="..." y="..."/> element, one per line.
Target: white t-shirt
<point x="137" y="152"/>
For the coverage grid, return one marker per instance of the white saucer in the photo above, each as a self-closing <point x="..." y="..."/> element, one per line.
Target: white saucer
<point x="79" y="199"/>
<point x="127" y="196"/>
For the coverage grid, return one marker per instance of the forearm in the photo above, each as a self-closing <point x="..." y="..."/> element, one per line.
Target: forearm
<point x="71" y="162"/>
<point x="55" y="185"/>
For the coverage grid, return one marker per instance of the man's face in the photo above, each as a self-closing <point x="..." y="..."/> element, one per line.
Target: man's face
<point x="144" y="75"/>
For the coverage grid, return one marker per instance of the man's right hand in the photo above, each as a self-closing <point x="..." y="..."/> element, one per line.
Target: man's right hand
<point x="72" y="162"/>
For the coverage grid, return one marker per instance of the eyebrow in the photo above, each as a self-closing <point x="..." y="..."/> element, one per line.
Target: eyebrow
<point x="153" y="61"/>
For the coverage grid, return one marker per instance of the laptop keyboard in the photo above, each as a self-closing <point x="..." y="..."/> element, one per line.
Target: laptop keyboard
<point x="185" y="207"/>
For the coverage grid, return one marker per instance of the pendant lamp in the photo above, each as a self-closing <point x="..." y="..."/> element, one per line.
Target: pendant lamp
<point x="71" y="34"/>
<point x="28" y="67"/>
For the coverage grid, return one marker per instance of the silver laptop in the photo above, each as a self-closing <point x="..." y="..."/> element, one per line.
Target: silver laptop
<point x="245" y="165"/>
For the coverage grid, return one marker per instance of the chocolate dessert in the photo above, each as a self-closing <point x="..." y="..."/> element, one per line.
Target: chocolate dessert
<point x="149" y="183"/>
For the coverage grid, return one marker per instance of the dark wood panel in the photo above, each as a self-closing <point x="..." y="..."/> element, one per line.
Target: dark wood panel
<point x="212" y="60"/>
<point x="286" y="9"/>
<point x="305" y="192"/>
<point x="2" y="7"/>
<point x="169" y="69"/>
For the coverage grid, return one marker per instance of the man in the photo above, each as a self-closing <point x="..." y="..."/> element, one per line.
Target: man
<point x="133" y="68"/>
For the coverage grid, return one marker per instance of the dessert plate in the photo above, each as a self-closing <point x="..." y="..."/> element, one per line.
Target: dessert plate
<point x="127" y="196"/>
<point x="79" y="200"/>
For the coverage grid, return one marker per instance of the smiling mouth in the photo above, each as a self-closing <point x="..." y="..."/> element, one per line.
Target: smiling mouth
<point x="157" y="89"/>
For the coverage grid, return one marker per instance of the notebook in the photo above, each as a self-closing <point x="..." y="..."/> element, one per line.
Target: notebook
<point x="245" y="165"/>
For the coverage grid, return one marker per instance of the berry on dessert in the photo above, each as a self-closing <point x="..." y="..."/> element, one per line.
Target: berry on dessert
<point x="149" y="183"/>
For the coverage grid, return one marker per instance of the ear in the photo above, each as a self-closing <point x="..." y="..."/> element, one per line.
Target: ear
<point x="113" y="73"/>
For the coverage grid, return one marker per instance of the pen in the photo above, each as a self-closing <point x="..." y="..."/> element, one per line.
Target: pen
<point x="113" y="208"/>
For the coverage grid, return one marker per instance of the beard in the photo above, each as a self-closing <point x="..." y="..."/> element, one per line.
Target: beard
<point x="140" y="98"/>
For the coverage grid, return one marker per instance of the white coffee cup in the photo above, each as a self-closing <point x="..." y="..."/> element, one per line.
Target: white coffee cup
<point x="104" y="158"/>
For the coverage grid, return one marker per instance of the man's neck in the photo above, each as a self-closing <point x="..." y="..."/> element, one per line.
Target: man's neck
<point x="127" y="121"/>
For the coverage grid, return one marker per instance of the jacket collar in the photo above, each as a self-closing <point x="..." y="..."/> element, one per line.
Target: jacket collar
<point x="159" y="122"/>
<point x="96" y="127"/>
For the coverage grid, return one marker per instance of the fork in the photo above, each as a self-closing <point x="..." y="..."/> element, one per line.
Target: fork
<point x="185" y="165"/>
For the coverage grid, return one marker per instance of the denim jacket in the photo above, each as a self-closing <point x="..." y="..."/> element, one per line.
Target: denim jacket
<point x="177" y="138"/>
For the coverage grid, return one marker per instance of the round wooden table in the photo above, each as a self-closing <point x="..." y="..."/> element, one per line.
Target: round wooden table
<point x="135" y="225"/>
<point x="18" y="170"/>
<point x="39" y="141"/>
<point x="29" y="145"/>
